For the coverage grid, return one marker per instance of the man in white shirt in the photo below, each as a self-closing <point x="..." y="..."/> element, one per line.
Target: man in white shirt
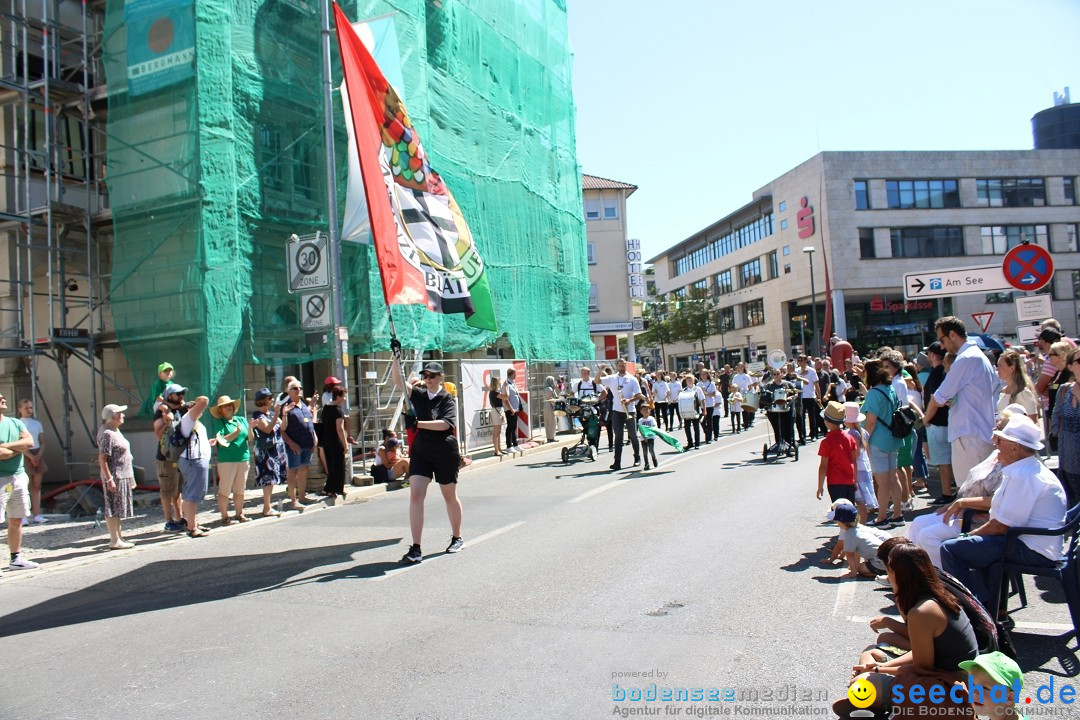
<point x="809" y="398"/>
<point x="35" y="458"/>
<point x="1030" y="495"/>
<point x="625" y="393"/>
<point x="973" y="382"/>
<point x="708" y="387"/>
<point x="586" y="386"/>
<point x="744" y="382"/>
<point x="660" y="392"/>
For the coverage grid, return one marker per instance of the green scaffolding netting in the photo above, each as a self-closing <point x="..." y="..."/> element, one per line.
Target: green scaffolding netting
<point x="216" y="156"/>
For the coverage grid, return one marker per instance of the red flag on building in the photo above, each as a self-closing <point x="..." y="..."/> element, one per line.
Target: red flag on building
<point x="423" y="245"/>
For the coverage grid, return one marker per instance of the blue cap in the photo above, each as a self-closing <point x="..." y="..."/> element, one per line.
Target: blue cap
<point x="262" y="393"/>
<point x="173" y="389"/>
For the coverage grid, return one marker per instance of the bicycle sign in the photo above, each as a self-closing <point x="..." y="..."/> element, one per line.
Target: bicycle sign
<point x="308" y="267"/>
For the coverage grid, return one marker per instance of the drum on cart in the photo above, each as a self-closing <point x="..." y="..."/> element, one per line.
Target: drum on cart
<point x="560" y="408"/>
<point x="751" y="400"/>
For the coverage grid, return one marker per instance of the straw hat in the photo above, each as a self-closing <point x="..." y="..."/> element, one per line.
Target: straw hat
<point x="223" y="401"/>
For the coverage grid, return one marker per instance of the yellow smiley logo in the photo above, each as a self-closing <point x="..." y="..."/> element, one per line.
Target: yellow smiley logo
<point x="862" y="693"/>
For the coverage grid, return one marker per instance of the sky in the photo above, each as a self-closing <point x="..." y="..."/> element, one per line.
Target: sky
<point x="701" y="102"/>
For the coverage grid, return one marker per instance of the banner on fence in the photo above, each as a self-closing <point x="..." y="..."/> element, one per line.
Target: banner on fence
<point x="473" y="393"/>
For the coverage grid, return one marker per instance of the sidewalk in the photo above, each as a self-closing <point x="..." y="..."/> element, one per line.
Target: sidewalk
<point x="62" y="542"/>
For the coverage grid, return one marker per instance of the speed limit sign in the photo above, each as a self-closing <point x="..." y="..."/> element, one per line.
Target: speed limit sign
<point x="308" y="266"/>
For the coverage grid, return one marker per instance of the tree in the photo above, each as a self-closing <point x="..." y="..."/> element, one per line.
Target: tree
<point x="660" y="321"/>
<point x="693" y="318"/>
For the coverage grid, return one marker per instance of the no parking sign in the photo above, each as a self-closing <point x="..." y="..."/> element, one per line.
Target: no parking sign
<point x="1028" y="267"/>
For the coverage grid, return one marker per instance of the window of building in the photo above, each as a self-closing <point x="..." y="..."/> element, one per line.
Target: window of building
<point x="862" y="195"/>
<point x="787" y="269"/>
<point x="723" y="283"/>
<point x="305" y="168"/>
<point x="1070" y="190"/>
<point x="1000" y="298"/>
<point x="924" y="194"/>
<point x="725" y="320"/>
<point x="594" y="298"/>
<point x="927" y="241"/>
<point x="750" y="273"/>
<point x="592" y="252"/>
<point x="867" y="248"/>
<point x="271" y="172"/>
<point x="783" y="224"/>
<point x="592" y="209"/>
<point x="1067" y="241"/>
<point x="774" y="265"/>
<point x="753" y="313"/>
<point x="786" y="250"/>
<point x="611" y="209"/>
<point x="998" y="239"/>
<point x="718" y="246"/>
<point x="1011" y="192"/>
<point x="67" y="140"/>
<point x="782" y="207"/>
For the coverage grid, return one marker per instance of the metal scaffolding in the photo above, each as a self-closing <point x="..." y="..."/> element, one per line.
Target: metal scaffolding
<point x="55" y="221"/>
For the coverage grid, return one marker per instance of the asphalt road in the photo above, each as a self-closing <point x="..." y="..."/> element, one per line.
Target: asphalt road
<point x="705" y="573"/>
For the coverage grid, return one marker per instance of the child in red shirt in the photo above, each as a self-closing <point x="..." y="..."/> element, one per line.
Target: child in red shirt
<point x="838" y="452"/>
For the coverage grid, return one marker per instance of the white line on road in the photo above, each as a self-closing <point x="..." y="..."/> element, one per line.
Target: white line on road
<point x="471" y="543"/>
<point x="845" y="596"/>
<point x="688" y="455"/>
<point x="1053" y="627"/>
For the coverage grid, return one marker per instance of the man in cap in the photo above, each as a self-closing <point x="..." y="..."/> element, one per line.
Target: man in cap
<point x="434" y="454"/>
<point x="1030" y="495"/>
<point x="14" y="483"/>
<point x="168" y="472"/>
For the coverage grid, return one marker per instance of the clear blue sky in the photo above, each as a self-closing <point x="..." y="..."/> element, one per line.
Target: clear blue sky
<point x="701" y="102"/>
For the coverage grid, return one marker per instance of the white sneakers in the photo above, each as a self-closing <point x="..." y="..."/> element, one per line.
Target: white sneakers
<point x="21" y="563"/>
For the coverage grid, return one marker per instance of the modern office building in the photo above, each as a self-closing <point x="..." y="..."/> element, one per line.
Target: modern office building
<point x="615" y="272"/>
<point x="844" y="227"/>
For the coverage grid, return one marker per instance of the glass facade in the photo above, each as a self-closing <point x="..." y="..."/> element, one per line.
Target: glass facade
<point x="1070" y="190"/>
<point x="723" y="283"/>
<point x="1011" y="192"/>
<point x="774" y="265"/>
<point x="947" y="241"/>
<point x="904" y="194"/>
<point x="725" y="320"/>
<point x="866" y="243"/>
<point x="753" y="313"/>
<point x="750" y="273"/>
<point x="998" y="239"/>
<point x="862" y="195"/>
<point x="718" y="247"/>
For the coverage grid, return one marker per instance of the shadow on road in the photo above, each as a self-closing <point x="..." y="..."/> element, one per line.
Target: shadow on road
<point x="177" y="583"/>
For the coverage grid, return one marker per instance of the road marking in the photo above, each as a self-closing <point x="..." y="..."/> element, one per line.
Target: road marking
<point x="845" y="596"/>
<point x="687" y="455"/>
<point x="471" y="543"/>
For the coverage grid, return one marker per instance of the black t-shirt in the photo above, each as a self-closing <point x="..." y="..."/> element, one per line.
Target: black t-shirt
<point x="725" y="383"/>
<point x="329" y="418"/>
<point x="933" y="382"/>
<point x="438" y="443"/>
<point x="494" y="400"/>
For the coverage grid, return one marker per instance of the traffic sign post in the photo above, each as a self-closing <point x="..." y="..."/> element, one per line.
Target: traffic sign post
<point x="983" y="319"/>
<point x="315" y="311"/>
<point x="1028" y="267"/>
<point x="1034" y="307"/>
<point x="1027" y="334"/>
<point x="954" y="281"/>
<point x="309" y="266"/>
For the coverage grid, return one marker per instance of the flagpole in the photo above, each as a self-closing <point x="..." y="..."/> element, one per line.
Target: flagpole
<point x="339" y="341"/>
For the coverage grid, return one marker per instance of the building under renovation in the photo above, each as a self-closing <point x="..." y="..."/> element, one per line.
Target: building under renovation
<point x="158" y="154"/>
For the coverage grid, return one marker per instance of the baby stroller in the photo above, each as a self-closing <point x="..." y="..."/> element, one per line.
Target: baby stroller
<point x="585" y="410"/>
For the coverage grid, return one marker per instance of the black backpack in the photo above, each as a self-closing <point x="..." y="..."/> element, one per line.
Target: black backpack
<point x="902" y="422"/>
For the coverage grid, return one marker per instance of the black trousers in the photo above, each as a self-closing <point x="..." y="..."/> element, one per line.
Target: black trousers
<point x="748" y="418"/>
<point x="511" y="428"/>
<point x="706" y="423"/>
<point x="726" y="410"/>
<point x="335" y="469"/>
<point x="716" y="422"/>
<point x="650" y="451"/>
<point x="815" y="424"/>
<point x="622" y="423"/>
<point x="694" y="425"/>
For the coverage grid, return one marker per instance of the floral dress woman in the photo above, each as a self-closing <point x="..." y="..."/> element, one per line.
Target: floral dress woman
<point x="270" y="462"/>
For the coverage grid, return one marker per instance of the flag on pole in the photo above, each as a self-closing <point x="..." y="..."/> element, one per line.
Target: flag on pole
<point x="423" y="245"/>
<point x="651" y="432"/>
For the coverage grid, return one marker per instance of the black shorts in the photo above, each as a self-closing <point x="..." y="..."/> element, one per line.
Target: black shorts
<point x="443" y="470"/>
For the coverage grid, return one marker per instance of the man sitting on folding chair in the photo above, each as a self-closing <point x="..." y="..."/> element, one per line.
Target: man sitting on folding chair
<point x="1030" y="496"/>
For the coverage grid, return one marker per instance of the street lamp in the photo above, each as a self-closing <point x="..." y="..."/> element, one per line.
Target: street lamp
<point x="809" y="250"/>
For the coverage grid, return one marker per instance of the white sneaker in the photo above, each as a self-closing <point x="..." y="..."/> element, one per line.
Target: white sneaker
<point x="883" y="580"/>
<point x="21" y="563"/>
<point x="25" y="521"/>
<point x="909" y="505"/>
<point x="39" y="519"/>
